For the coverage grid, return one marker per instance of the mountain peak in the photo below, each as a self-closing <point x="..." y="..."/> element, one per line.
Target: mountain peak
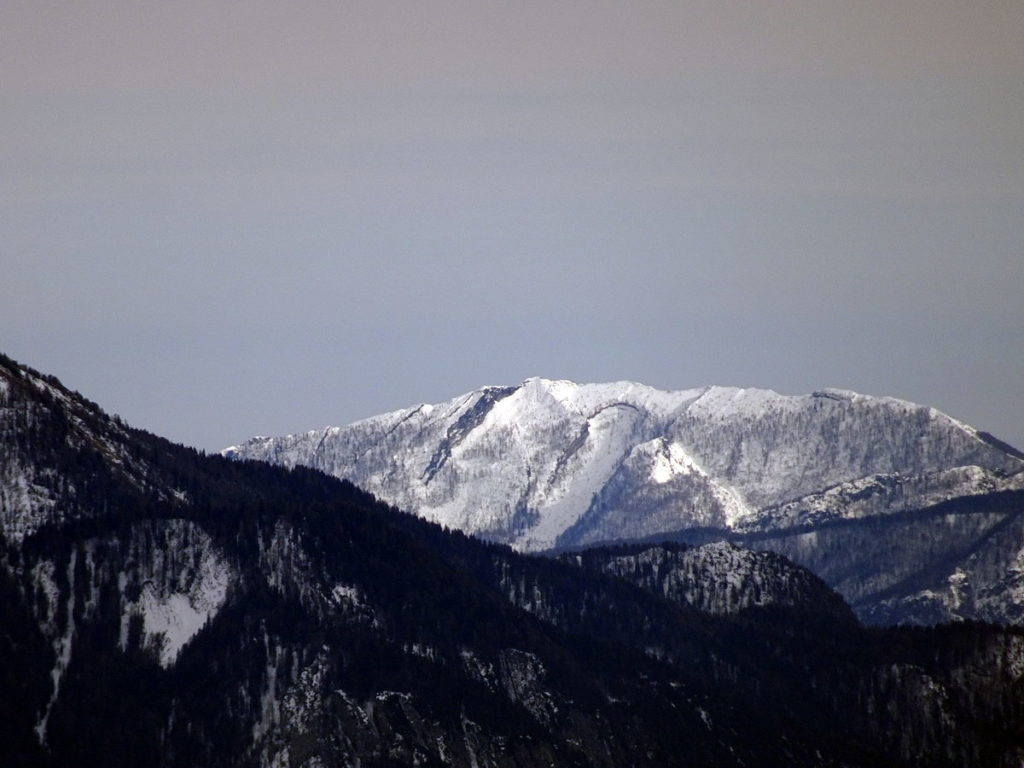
<point x="555" y="462"/>
<point x="266" y="618"/>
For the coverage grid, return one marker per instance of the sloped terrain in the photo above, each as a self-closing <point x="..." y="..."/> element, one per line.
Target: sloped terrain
<point x="177" y="609"/>
<point x="554" y="463"/>
<point x="719" y="577"/>
<point x="558" y="465"/>
<point x="962" y="559"/>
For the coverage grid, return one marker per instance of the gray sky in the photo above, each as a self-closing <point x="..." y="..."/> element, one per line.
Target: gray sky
<point x="221" y="219"/>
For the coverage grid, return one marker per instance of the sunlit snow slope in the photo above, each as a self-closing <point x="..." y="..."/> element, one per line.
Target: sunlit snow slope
<point x="555" y="463"/>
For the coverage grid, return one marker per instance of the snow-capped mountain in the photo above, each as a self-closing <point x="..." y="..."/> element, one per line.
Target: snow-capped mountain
<point x="836" y="481"/>
<point x="161" y="607"/>
<point x="557" y="464"/>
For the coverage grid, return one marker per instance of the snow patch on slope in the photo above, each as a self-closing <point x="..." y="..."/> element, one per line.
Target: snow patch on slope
<point x="574" y="482"/>
<point x="172" y="617"/>
<point x="171" y="579"/>
<point x="180" y="587"/>
<point x="61" y="642"/>
<point x="25" y="504"/>
<point x="669" y="460"/>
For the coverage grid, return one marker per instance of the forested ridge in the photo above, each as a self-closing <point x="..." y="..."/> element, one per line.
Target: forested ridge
<point x="166" y="607"/>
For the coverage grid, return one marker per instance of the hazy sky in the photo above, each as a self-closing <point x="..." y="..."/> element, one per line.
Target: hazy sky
<point x="221" y="219"/>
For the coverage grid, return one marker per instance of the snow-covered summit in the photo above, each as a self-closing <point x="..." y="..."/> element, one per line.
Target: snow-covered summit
<point x="553" y="462"/>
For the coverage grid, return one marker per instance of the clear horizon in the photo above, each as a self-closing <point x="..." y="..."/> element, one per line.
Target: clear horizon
<point x="236" y="219"/>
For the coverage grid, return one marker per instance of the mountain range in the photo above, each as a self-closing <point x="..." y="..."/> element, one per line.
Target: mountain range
<point x="911" y="514"/>
<point x="162" y="607"/>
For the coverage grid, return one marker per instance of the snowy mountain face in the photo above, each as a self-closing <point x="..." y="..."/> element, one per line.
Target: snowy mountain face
<point x="160" y="607"/>
<point x="553" y="463"/>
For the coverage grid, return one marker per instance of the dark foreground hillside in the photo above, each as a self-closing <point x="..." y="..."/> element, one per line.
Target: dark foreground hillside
<point x="160" y="607"/>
